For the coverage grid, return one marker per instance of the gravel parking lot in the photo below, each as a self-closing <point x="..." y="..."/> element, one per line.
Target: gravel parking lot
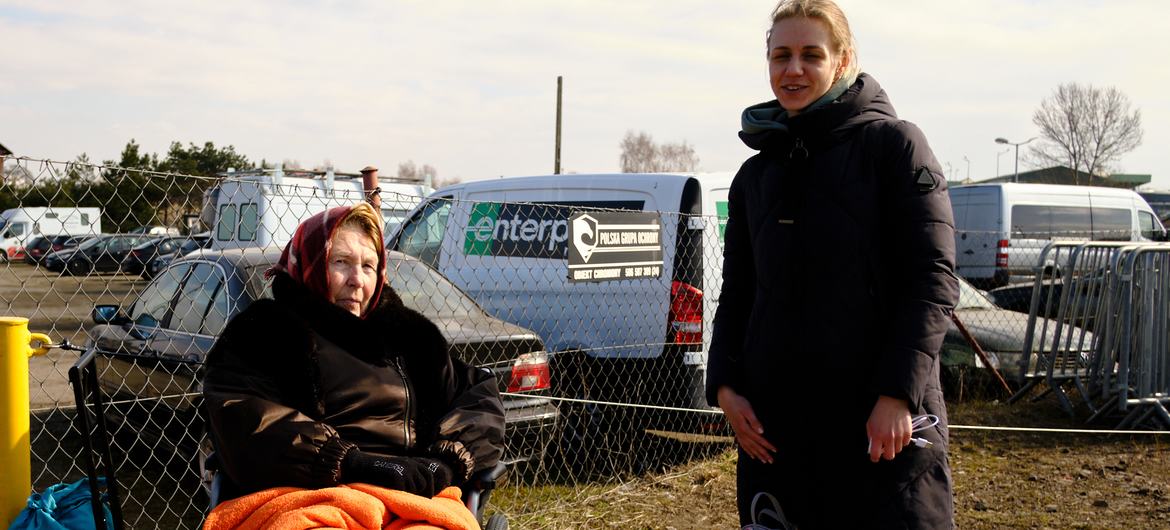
<point x="58" y="306"/>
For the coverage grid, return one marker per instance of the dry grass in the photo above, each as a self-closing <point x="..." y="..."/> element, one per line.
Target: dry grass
<point x="1002" y="480"/>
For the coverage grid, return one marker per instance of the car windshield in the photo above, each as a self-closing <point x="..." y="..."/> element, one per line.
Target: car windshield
<point x="972" y="298"/>
<point x="191" y="245"/>
<point x="91" y="243"/>
<point x="428" y="292"/>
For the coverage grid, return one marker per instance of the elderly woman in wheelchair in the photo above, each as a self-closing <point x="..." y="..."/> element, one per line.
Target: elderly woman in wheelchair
<point x="335" y="382"/>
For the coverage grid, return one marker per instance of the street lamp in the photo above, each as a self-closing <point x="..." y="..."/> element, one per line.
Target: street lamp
<point x="997" y="155"/>
<point x="1005" y="141"/>
<point x="968" y="161"/>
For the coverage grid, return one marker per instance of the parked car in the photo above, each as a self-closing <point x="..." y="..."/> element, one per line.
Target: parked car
<point x="189" y="245"/>
<point x="1080" y="308"/>
<point x="1001" y="333"/>
<point x="103" y="253"/>
<point x="140" y="256"/>
<point x="153" y="353"/>
<point x="155" y="230"/>
<point x="42" y="246"/>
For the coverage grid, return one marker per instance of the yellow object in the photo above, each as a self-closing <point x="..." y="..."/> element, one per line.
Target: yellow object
<point x="15" y="451"/>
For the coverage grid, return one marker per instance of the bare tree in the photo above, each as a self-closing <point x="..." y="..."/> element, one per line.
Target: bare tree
<point x="1086" y="128"/>
<point x="641" y="155"/>
<point x="410" y="171"/>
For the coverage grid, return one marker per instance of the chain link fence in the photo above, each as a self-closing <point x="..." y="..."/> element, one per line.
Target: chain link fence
<point x="594" y="316"/>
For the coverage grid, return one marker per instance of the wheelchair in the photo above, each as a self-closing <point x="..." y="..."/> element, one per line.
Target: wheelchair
<point x="93" y="421"/>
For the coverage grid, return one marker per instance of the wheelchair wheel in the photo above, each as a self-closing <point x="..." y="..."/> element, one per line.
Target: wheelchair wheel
<point x="496" y="522"/>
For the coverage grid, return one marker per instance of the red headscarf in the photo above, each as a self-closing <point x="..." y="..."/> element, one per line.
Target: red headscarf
<point x="306" y="257"/>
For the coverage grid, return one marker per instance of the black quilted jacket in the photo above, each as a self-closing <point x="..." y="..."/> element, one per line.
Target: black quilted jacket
<point x="294" y="382"/>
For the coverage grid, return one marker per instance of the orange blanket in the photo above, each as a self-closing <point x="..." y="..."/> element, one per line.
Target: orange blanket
<point x="349" y="506"/>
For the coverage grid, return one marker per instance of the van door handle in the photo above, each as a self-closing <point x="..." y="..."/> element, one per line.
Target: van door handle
<point x="968" y="252"/>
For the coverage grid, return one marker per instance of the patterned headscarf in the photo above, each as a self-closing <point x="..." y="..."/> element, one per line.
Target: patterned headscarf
<point x="306" y="257"/>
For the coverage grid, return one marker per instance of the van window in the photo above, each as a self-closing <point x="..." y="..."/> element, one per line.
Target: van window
<point x="16" y="230"/>
<point x="84" y="218"/>
<point x="1031" y="221"/>
<point x="249" y="220"/>
<point x="50" y="215"/>
<point x="1151" y="227"/>
<point x="1112" y="224"/>
<point x="423" y="236"/>
<point x="225" y="227"/>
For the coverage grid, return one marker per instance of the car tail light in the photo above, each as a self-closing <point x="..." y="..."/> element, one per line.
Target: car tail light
<point x="530" y="372"/>
<point x="686" y="313"/>
<point x="1001" y="257"/>
<point x="57" y="246"/>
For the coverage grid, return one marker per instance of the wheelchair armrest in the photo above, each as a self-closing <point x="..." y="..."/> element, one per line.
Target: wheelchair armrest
<point x="485" y="479"/>
<point x="479" y="487"/>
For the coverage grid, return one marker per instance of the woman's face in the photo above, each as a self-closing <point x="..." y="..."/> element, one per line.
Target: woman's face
<point x="353" y="269"/>
<point x="801" y="63"/>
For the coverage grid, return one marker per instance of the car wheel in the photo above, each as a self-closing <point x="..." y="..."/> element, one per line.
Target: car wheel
<point x="3" y="257"/>
<point x="77" y="267"/>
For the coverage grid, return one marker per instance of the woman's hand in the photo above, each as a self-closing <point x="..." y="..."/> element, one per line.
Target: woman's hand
<point x="888" y="428"/>
<point x="748" y="431"/>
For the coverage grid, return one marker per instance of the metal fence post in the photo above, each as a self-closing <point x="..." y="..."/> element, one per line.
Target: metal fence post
<point x="15" y="456"/>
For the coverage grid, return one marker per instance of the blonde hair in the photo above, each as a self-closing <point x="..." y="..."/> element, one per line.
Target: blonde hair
<point x="831" y="14"/>
<point x="364" y="217"/>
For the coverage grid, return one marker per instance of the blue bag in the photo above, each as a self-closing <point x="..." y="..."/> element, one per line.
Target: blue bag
<point x="62" y="507"/>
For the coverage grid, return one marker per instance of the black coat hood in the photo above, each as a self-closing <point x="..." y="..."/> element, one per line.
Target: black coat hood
<point x="767" y="125"/>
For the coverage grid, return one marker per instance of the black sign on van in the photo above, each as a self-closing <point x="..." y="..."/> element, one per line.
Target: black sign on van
<point x="606" y="246"/>
<point x="526" y="230"/>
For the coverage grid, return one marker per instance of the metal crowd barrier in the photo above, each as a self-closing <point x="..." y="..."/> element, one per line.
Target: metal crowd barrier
<point x="1098" y="322"/>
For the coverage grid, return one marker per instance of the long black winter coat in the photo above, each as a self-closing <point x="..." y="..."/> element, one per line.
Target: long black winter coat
<point x="838" y="284"/>
<point x="294" y="383"/>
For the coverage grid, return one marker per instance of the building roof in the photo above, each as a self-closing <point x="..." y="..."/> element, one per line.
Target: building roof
<point x="4" y="150"/>
<point x="1066" y="175"/>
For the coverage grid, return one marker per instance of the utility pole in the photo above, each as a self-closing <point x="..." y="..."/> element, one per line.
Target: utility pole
<point x="557" y="155"/>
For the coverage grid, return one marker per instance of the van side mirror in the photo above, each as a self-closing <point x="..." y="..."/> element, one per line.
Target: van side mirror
<point x="108" y="314"/>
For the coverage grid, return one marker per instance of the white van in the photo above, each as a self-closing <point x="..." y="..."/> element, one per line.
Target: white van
<point x="617" y="273"/>
<point x="20" y="225"/>
<point x="1001" y="229"/>
<point x="263" y="208"/>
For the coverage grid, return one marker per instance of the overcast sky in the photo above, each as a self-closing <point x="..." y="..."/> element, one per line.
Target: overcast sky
<point x="470" y="87"/>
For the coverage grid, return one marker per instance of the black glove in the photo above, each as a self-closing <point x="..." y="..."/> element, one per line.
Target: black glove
<point x="417" y="475"/>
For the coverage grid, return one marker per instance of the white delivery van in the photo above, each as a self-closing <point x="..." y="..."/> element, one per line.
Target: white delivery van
<point x="618" y="273"/>
<point x="1001" y="229"/>
<point x="263" y="208"/>
<point x="20" y="225"/>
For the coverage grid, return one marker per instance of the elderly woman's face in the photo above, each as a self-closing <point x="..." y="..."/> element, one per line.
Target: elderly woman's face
<point x="353" y="269"/>
<point x="801" y="63"/>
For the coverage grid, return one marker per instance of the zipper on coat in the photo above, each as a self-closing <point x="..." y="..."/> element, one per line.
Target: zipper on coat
<point x="798" y="147"/>
<point x="409" y="409"/>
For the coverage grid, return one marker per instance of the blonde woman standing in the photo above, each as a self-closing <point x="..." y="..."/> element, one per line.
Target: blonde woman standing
<point x="838" y="288"/>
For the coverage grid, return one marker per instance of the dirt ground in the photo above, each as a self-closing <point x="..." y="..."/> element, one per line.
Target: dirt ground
<point x="1001" y="480"/>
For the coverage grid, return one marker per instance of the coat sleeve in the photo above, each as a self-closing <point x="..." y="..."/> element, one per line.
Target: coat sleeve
<point x="248" y="414"/>
<point x="922" y="288"/>
<point x="471" y="430"/>
<point x="736" y="296"/>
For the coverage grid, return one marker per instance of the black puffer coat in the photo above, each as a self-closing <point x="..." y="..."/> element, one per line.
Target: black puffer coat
<point x="294" y="383"/>
<point x="838" y="283"/>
